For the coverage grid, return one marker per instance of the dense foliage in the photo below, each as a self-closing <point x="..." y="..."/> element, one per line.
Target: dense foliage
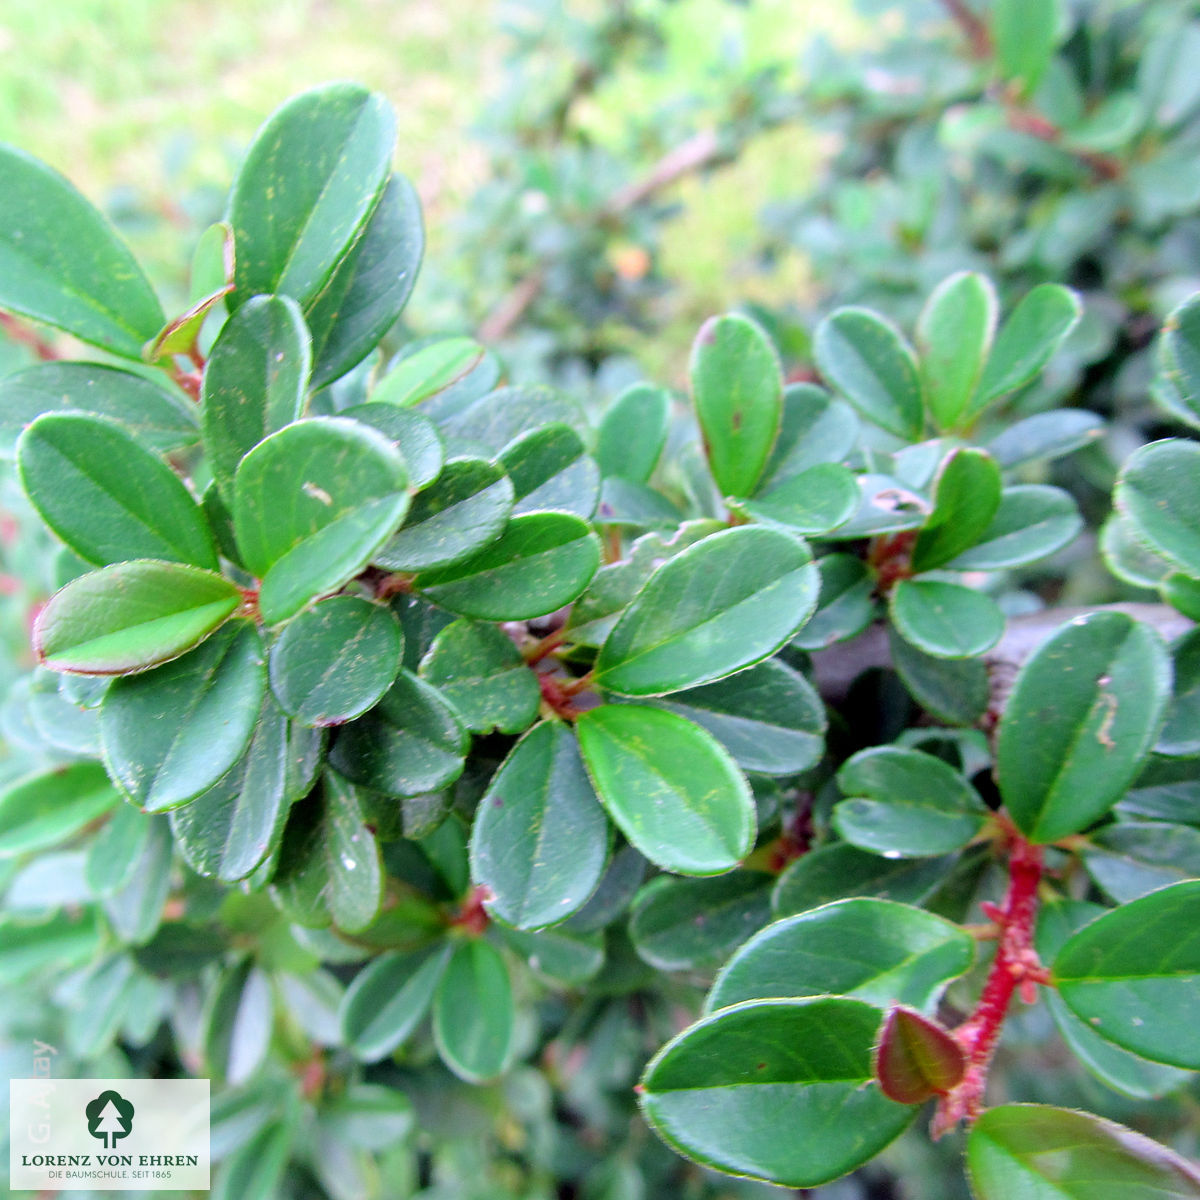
<point x="459" y="777"/>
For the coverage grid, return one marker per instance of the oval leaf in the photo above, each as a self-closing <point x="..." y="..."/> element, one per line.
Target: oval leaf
<point x="946" y="620"/>
<point x="916" y="1058"/>
<point x="42" y="810"/>
<point x="388" y="999"/>
<point x="966" y="495"/>
<point x="1031" y="522"/>
<point x="633" y="432"/>
<point x="954" y="335"/>
<point x="1156" y="494"/>
<point x="473" y="1013"/>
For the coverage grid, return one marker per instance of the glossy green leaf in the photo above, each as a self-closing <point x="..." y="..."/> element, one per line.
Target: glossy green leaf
<point x="372" y="284"/>
<point x="1071" y="741"/>
<point x="868" y="360"/>
<point x="624" y="875"/>
<point x="214" y="694"/>
<point x="836" y="871"/>
<point x="115" y="850"/>
<point x="816" y="428"/>
<point x="540" y="839"/>
<point x="633" y="432"/>
<point x="28" y="948"/>
<point x="135" y="909"/>
<point x="550" y="470"/>
<point x="1024" y="33"/>
<point x="955" y="690"/>
<point x="411" y="742"/>
<point x="482" y="674"/>
<point x="256" y="1170"/>
<point x="815" y="501"/>
<point x="721" y="1091"/>
<point x="308" y="185"/>
<point x="179" y="335"/>
<point x="42" y="810"/>
<point x="1178" y="353"/>
<point x="539" y="563"/>
<point x="1131" y="975"/>
<point x="473" y="1013"/>
<point x="737" y="388"/>
<point x="131" y="616"/>
<point x="1031" y="522"/>
<point x="670" y="787"/>
<point x="1180" y="736"/>
<point x="723" y="604"/>
<point x="946" y="620"/>
<point x="966" y="497"/>
<point x="906" y="802"/>
<point x="388" y="999"/>
<point x="1027" y="341"/>
<point x="335" y="660"/>
<point x="1044" y="436"/>
<point x="845" y="603"/>
<point x="694" y="924"/>
<point x="886" y="506"/>
<point x="312" y="504"/>
<point x="62" y="263"/>
<point x="1042" y="1153"/>
<point x="106" y="496"/>
<point x="917" y="1058"/>
<point x="414" y="434"/>
<point x="560" y="955"/>
<point x="466" y="508"/>
<point x="237" y="1023"/>
<point x="954" y="336"/>
<point x="1128" y="861"/>
<point x="501" y="416"/>
<point x="769" y="717"/>
<point x="427" y="371"/>
<point x="1156" y="495"/>
<point x="255" y="382"/>
<point x="154" y="415"/>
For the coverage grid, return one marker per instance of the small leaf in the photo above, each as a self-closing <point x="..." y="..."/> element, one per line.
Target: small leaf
<point x="815" y="429"/>
<point x="868" y="360"/>
<point x="237" y="1023"/>
<point x="1043" y="436"/>
<point x="916" y="1058"/>
<point x="309" y="183"/>
<point x="312" y="505"/>
<point x="499" y="417"/>
<point x="1178" y="353"/>
<point x="737" y="387"/>
<point x="42" y="810"/>
<point x="669" y="786"/>
<point x="541" y="562"/>
<point x="1130" y="860"/>
<point x="335" y="660"/>
<point x="255" y="382"/>
<point x="966" y="497"/>
<point x="135" y="910"/>
<point x="716" y="1091"/>
<point x="1031" y="522"/>
<point x="388" y="999"/>
<point x="725" y="603"/>
<point x="65" y="940"/>
<point x="1180" y="736"/>
<point x="955" y="690"/>
<point x="1024" y="33"/>
<point x="473" y="1014"/>
<point x="1155" y="494"/>
<point x="815" y="501"/>
<point x="1071" y="741"/>
<point x="549" y="470"/>
<point x="845" y="604"/>
<point x="62" y="263"/>
<point x="414" y="434"/>
<point x="115" y="850"/>
<point x="213" y="693"/>
<point x="946" y="620"/>
<point x="106" y="496"/>
<point x="954" y="336"/>
<point x="886" y="506"/>
<point x="428" y="371"/>
<point x="633" y="432"/>
<point x="560" y="955"/>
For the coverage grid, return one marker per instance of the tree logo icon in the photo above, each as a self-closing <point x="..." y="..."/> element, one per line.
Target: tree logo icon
<point x="109" y="1117"/>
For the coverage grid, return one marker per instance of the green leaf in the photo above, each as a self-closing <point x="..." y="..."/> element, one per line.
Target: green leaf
<point x="549" y="470"/>
<point x="1042" y="1153"/>
<point x="1027" y="340"/>
<point x="62" y="263"/>
<point x="311" y="180"/>
<point x="561" y="955"/>
<point x="725" y="603"/>
<point x="954" y="336"/>
<point x="464" y="509"/>
<point x="156" y="418"/>
<point x="66" y="939"/>
<point x="1180" y="736"/>
<point x="906" y="802"/>
<point x="1156" y="495"/>
<point x="815" y="429"/>
<point x="887" y="505"/>
<point x="255" y="1171"/>
<point x="415" y="436"/>
<point x="901" y="956"/>
<point x="106" y="496"/>
<point x="388" y="999"/>
<point x="1131" y="975"/>
<point x="232" y="827"/>
<point x="411" y="742"/>
<point x="135" y="910"/>
<point x="836" y="871"/>
<point x="815" y="501"/>
<point x="428" y="371"/>
<point x="868" y="360"/>
<point x="130" y="616"/>
<point x="473" y="1014"/>
<point x="769" y="717"/>
<point x="1045" y="435"/>
<point x="501" y="416"/>
<point x="213" y="694"/>
<point x="718" y="1091"/>
<point x="479" y="670"/>
<point x="312" y="505"/>
<point x="541" y="562"/>
<point x="115" y="850"/>
<point x="670" y="787"/>
<point x="371" y="286"/>
<point x="1071" y="741"/>
<point x="237" y="1023"/>
<point x="966" y="497"/>
<point x="540" y="839"/>
<point x="613" y="895"/>
<point x="946" y="620"/>
<point x="370" y="1115"/>
<point x="42" y="810"/>
<point x="329" y="865"/>
<point x="737" y="387"/>
<point x="1031" y="522"/>
<point x="255" y="382"/>
<point x="1178" y="353"/>
<point x="917" y="1058"/>
<point x="1024" y="33"/>
<point x="633" y="432"/>
<point x="955" y="690"/>
<point x="335" y="660"/>
<point x="694" y="924"/>
<point x="845" y="603"/>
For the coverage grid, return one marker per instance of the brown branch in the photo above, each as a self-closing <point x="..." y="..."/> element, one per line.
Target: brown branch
<point x="27" y="337"/>
<point x="1105" y="167"/>
<point x="975" y="31"/>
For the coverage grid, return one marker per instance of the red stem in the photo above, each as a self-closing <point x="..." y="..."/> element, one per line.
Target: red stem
<point x="19" y="333"/>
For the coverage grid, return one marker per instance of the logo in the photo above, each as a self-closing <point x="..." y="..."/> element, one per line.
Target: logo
<point x="109" y="1118"/>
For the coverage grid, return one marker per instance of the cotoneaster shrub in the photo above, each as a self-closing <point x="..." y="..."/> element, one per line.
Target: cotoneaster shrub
<point x="399" y="729"/>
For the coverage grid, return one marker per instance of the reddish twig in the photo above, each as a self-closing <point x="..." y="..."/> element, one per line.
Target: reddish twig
<point x="27" y="337"/>
<point x="1103" y="166"/>
<point x="975" y="31"/>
